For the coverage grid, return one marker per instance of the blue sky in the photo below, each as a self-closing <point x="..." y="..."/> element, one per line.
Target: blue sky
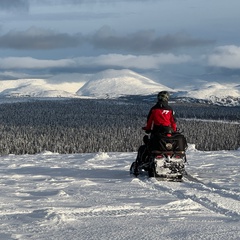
<point x="187" y="40"/>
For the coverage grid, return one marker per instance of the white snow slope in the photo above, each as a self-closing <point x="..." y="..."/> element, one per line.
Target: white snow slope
<point x="34" y="88"/>
<point x="109" y="83"/>
<point x="92" y="196"/>
<point x="212" y="89"/>
<point x="115" y="83"/>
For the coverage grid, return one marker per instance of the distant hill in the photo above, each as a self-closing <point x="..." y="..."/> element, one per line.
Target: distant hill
<point x="117" y="83"/>
<point x="109" y="83"/>
<point x="212" y="93"/>
<point x="31" y="88"/>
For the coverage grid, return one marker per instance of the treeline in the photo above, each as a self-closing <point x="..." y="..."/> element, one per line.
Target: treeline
<point x="203" y="111"/>
<point x="85" y="125"/>
<point x="213" y="135"/>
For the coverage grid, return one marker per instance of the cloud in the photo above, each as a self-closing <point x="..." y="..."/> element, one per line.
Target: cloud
<point x="88" y="1"/>
<point x="144" y="41"/>
<point x="31" y="63"/>
<point x="14" y="5"/>
<point x="102" y="61"/>
<point x="225" y="57"/>
<point x="38" y="38"/>
<point x="132" y="61"/>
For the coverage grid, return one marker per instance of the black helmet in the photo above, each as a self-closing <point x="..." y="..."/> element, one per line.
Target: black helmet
<point x="163" y="96"/>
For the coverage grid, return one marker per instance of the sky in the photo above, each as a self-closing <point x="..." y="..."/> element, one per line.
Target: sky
<point x="166" y="40"/>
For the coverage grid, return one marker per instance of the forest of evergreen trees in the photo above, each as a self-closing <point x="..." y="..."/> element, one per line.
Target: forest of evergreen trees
<point x="87" y="125"/>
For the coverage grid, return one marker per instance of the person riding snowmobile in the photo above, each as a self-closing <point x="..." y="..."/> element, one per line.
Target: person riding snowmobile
<point x="165" y="141"/>
<point x="160" y="120"/>
<point x="161" y="117"/>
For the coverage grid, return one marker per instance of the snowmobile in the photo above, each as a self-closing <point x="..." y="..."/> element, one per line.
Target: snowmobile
<point x="166" y="157"/>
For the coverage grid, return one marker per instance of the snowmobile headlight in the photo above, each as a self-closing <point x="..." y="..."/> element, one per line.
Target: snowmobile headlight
<point x="169" y="146"/>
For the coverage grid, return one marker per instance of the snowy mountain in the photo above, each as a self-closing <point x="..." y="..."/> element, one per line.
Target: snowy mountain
<point x="109" y="83"/>
<point x="117" y="83"/>
<point x="31" y="88"/>
<point x="213" y="92"/>
<point x="91" y="196"/>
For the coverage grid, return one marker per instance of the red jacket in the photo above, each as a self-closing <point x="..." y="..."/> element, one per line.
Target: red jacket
<point x="161" y="115"/>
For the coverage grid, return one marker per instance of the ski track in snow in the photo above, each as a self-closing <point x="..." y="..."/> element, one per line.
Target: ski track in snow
<point x="92" y="196"/>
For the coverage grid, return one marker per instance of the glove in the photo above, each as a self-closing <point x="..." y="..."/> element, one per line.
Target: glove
<point x="146" y="130"/>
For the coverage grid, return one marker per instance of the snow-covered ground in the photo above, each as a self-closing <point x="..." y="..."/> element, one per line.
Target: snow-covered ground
<point x="92" y="196"/>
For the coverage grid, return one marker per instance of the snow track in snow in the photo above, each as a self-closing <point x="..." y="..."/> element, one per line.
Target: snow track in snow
<point x="209" y="198"/>
<point x="213" y="188"/>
